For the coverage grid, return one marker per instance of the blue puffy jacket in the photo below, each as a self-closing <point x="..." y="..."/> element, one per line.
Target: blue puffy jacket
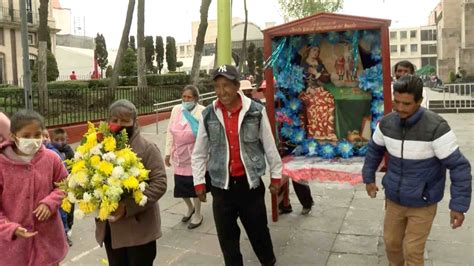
<point x="420" y="149"/>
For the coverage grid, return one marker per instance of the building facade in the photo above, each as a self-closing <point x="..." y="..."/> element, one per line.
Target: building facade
<point x="11" y="60"/>
<point x="417" y="45"/>
<point x="455" y="33"/>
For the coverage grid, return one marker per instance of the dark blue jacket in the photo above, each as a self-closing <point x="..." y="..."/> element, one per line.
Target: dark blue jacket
<point x="420" y="148"/>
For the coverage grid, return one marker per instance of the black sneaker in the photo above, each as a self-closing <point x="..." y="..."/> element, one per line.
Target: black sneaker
<point x="69" y="241"/>
<point x="285" y="209"/>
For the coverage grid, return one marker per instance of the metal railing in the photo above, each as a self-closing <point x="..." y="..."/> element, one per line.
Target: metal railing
<point x="459" y="96"/>
<point x="79" y="105"/>
<point x="13" y="15"/>
<point x="205" y="99"/>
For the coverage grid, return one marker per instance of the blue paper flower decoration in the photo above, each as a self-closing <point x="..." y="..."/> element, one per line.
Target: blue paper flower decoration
<point x="345" y="149"/>
<point x="375" y="53"/>
<point x="298" y="151"/>
<point x="296" y="121"/>
<point x="311" y="147"/>
<point x="377" y="93"/>
<point x="296" y="42"/>
<point x="371" y="78"/>
<point x="362" y="151"/>
<point x="279" y="95"/>
<point x="291" y="78"/>
<point x="315" y="39"/>
<point x="287" y="131"/>
<point x="294" y="105"/>
<point x="377" y="107"/>
<point x="298" y="136"/>
<point x="375" y="121"/>
<point x="327" y="151"/>
<point x="333" y="37"/>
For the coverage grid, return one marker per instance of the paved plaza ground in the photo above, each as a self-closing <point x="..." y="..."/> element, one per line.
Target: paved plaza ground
<point x="344" y="228"/>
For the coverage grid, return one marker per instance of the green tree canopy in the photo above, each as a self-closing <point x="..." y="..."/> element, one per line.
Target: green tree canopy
<point x="160" y="53"/>
<point x="171" y="53"/>
<point x="294" y="9"/>
<point x="129" y="63"/>
<point x="52" y="72"/>
<point x="101" y="52"/>
<point x="149" y="53"/>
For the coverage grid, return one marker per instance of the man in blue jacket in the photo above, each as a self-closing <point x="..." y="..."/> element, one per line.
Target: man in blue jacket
<point x="420" y="146"/>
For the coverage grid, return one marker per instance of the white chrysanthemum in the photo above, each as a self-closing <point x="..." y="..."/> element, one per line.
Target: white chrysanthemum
<point x="110" y="157"/>
<point x="72" y="183"/>
<point x="143" y="201"/>
<point x="117" y="172"/>
<point x="114" y="193"/>
<point x="86" y="197"/>
<point x="96" y="150"/>
<point x="142" y="186"/>
<point x="78" y="155"/>
<point x="78" y="214"/>
<point x="134" y="171"/>
<point x="120" y="160"/>
<point x="71" y="197"/>
<point x="98" y="194"/>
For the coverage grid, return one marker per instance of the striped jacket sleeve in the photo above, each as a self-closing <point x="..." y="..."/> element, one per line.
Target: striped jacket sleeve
<point x="447" y="151"/>
<point x="374" y="156"/>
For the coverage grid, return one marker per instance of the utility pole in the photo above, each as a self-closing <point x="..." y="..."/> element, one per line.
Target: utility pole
<point x="224" y="17"/>
<point x="26" y="59"/>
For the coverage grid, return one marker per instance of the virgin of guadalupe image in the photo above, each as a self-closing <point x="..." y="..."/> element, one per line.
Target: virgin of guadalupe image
<point x="319" y="102"/>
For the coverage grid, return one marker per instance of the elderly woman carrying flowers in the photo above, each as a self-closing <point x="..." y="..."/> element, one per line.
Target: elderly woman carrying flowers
<point x="131" y="231"/>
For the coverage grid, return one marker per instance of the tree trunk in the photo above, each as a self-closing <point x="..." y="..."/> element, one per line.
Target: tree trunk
<point x="42" y="57"/>
<point x="244" y="41"/>
<point x="141" y="62"/>
<point x="199" y="47"/>
<point x="123" y="44"/>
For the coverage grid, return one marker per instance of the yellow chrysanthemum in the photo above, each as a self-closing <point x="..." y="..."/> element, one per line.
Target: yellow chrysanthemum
<point x="87" y="207"/>
<point x="137" y="196"/>
<point x="78" y="166"/>
<point x="109" y="143"/>
<point x="115" y="182"/>
<point x="97" y="180"/>
<point x="66" y="205"/>
<point x="91" y="128"/>
<point x="128" y="155"/>
<point x="106" y="208"/>
<point x="94" y="161"/>
<point x="80" y="178"/>
<point x="106" y="168"/>
<point x="144" y="174"/>
<point x="130" y="183"/>
<point x="91" y="139"/>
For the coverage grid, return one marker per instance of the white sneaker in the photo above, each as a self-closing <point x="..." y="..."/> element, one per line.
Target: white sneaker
<point x="69" y="233"/>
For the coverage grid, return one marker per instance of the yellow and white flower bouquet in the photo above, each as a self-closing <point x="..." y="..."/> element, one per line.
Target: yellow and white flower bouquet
<point x="104" y="171"/>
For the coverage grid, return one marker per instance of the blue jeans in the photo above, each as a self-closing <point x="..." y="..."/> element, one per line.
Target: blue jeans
<point x="64" y="219"/>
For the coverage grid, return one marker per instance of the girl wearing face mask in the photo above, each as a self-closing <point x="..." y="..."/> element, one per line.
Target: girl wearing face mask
<point x="180" y="139"/>
<point x="31" y="232"/>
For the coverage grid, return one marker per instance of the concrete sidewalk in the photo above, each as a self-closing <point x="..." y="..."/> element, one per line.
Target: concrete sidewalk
<point x="344" y="228"/>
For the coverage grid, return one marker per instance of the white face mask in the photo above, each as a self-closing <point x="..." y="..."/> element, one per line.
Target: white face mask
<point x="29" y="146"/>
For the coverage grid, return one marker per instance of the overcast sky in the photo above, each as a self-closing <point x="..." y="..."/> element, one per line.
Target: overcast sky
<point x="174" y="17"/>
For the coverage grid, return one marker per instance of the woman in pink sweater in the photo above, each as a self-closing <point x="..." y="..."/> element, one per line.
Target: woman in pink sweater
<point x="4" y="127"/>
<point x="31" y="232"/>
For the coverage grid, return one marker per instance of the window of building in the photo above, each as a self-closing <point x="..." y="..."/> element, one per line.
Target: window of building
<point x="31" y="38"/>
<point x="181" y="49"/>
<point x="403" y="34"/>
<point x="428" y="35"/>
<point x="403" y="48"/>
<point x="2" y="37"/>
<point x="428" y="49"/>
<point x="414" y="48"/>
<point x="33" y="58"/>
<point x="428" y="61"/>
<point x="393" y="49"/>
<point x="413" y="34"/>
<point x="393" y="35"/>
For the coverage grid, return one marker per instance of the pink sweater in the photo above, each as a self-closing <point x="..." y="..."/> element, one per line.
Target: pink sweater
<point x="23" y="186"/>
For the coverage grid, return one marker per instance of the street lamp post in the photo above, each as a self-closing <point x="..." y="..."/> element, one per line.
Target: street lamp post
<point x="26" y="59"/>
<point x="224" y="15"/>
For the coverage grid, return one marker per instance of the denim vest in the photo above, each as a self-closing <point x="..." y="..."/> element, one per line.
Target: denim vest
<point x="251" y="148"/>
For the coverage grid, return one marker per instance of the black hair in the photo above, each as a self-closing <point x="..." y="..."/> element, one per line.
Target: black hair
<point x="406" y="64"/>
<point x="23" y="118"/>
<point x="194" y="90"/>
<point x="58" y="131"/>
<point x="409" y="84"/>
